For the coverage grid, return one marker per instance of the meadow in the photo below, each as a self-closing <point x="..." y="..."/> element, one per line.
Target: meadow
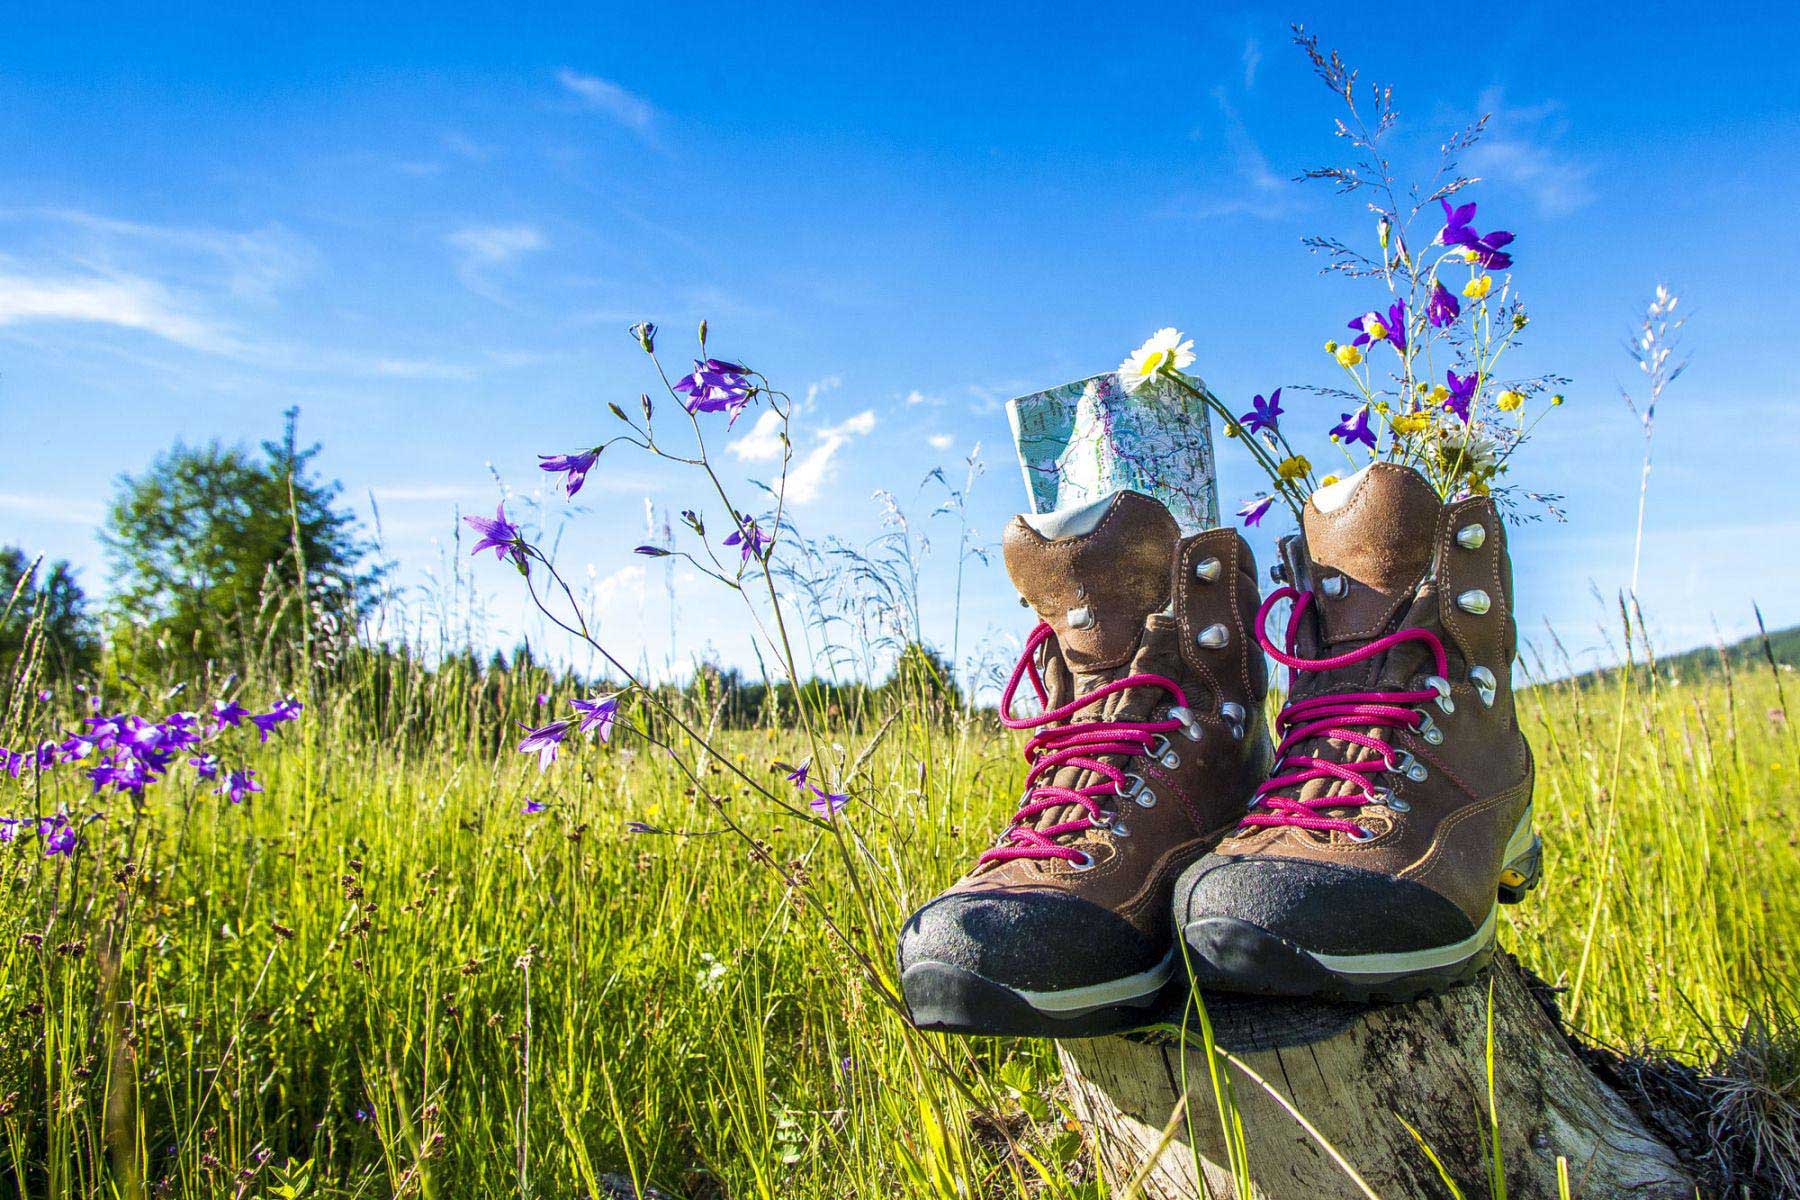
<point x="384" y="976"/>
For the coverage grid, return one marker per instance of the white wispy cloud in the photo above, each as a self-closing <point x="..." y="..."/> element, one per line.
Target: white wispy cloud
<point x="1252" y="58"/>
<point x="428" y="493"/>
<point x="762" y="443"/>
<point x="1522" y="147"/>
<point x="418" y="368"/>
<point x="941" y="441"/>
<point x="52" y="508"/>
<point x="604" y="96"/>
<point x="1251" y="189"/>
<point x="494" y="245"/>
<point x="127" y="302"/>
<point x="915" y="398"/>
<point x="818" y="467"/>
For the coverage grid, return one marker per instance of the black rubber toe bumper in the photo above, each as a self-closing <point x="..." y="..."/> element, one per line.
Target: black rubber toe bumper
<point x="1292" y="927"/>
<point x="1028" y="964"/>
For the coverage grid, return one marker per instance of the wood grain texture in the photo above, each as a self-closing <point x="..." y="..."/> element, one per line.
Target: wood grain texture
<point x="1355" y="1073"/>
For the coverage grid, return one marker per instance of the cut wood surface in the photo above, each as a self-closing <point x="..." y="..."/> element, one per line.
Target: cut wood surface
<point x="1360" y="1075"/>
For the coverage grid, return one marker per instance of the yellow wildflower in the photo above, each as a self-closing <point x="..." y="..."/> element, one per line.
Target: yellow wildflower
<point x="1556" y="400"/>
<point x="1348" y="356"/>
<point x="1294" y="468"/>
<point x="1331" y="347"/>
<point x="1437" y="395"/>
<point x="1328" y="481"/>
<point x="1411" y="422"/>
<point x="1477" y="289"/>
<point x="1382" y="407"/>
<point x="1509" y="401"/>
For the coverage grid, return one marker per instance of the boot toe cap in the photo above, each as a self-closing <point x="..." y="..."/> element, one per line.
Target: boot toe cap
<point x="1027" y="940"/>
<point x="1325" y="908"/>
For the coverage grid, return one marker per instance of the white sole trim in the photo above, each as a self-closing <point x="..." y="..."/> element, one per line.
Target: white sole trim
<point x="1406" y="961"/>
<point x="1074" y="1001"/>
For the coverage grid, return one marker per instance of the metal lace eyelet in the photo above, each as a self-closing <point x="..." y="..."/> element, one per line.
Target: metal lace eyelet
<point x="1474" y="601"/>
<point x="1234" y="715"/>
<point x="1213" y="637"/>
<point x="1471" y="537"/>
<point x="1083" y="863"/>
<point x="1129" y="786"/>
<point x="1164" y="756"/>
<point x="1428" y="729"/>
<point x="1207" y="569"/>
<point x="1441" y="686"/>
<point x="1118" y="829"/>
<point x="1485" y="685"/>
<point x="1334" y="586"/>
<point x="1366" y="835"/>
<point x="1405" y="764"/>
<point x="1190" y="726"/>
<point x="1383" y="797"/>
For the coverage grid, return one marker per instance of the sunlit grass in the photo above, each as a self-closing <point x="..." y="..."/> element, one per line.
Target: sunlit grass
<point x="465" y="1000"/>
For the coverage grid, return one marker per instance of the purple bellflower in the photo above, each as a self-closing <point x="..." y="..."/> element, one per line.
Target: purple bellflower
<point x="543" y="741"/>
<point x="1462" y="393"/>
<point x="533" y="807"/>
<point x="1393" y="326"/>
<point x="1263" y="413"/>
<point x="597" y="715"/>
<point x="750" y="541"/>
<point x="1254" y="510"/>
<point x="827" y="804"/>
<point x="797" y="776"/>
<point x="237" y="785"/>
<point x="716" y="386"/>
<point x="1458" y="232"/>
<point x="573" y="466"/>
<point x="1354" y="428"/>
<point x="1444" y="308"/>
<point x="499" y="535"/>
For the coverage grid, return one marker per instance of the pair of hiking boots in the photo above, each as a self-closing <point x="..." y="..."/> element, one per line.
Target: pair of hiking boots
<point x="1358" y="856"/>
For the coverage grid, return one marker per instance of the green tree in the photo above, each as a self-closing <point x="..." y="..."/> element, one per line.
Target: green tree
<point x="36" y="597"/>
<point x="217" y="550"/>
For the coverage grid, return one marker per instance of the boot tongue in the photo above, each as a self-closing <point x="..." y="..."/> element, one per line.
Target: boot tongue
<point x="1095" y="575"/>
<point x="1374" y="531"/>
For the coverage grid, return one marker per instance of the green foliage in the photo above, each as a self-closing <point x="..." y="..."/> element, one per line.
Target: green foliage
<point x="39" y="600"/>
<point x="206" y="549"/>
<point x="207" y="996"/>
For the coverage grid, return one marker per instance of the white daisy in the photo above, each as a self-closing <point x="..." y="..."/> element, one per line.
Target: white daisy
<point x="1165" y="351"/>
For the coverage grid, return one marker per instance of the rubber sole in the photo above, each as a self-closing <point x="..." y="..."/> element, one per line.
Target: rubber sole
<point x="1229" y="954"/>
<point x="952" y="999"/>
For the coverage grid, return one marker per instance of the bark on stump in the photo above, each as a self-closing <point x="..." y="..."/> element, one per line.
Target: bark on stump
<point x="1354" y="1072"/>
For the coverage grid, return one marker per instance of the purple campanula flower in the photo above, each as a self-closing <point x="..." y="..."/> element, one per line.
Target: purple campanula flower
<point x="1393" y="326"/>
<point x="751" y="541"/>
<point x="1462" y="393"/>
<point x="237" y="785"/>
<point x="44" y="696"/>
<point x="533" y="807"/>
<point x="1444" y="307"/>
<point x="1354" y="428"/>
<point x="639" y="827"/>
<point x="597" y="715"/>
<point x="74" y="749"/>
<point x="499" y="535"/>
<point x="716" y="386"/>
<point x="227" y="713"/>
<point x="543" y="741"/>
<point x="206" y="766"/>
<point x="797" y="776"/>
<point x="1254" y="510"/>
<point x="9" y="828"/>
<point x="58" y="835"/>
<point x="142" y="736"/>
<point x="281" y="712"/>
<point x="573" y="466"/>
<point x="1263" y="413"/>
<point x="1458" y="232"/>
<point x="827" y="804"/>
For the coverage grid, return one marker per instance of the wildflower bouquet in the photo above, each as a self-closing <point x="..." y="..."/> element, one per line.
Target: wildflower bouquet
<point x="1422" y="366"/>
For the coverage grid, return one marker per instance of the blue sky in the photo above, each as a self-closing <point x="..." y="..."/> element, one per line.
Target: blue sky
<point x="430" y="230"/>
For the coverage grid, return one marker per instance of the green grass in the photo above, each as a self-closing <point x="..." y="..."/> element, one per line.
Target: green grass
<point x="550" y="1006"/>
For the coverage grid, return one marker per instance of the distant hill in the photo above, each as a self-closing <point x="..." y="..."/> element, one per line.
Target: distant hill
<point x="1783" y="647"/>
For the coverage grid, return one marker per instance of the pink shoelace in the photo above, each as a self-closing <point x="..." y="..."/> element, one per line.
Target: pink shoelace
<point x="1333" y="717"/>
<point x="1081" y="744"/>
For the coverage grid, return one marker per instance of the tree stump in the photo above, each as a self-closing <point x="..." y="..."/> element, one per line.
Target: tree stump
<point x="1354" y="1072"/>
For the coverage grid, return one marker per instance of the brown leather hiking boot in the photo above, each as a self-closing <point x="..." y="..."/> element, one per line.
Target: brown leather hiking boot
<point x="1151" y="738"/>
<point x="1399" y="808"/>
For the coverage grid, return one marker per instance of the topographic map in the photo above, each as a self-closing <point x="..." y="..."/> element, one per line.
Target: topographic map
<point x="1089" y="439"/>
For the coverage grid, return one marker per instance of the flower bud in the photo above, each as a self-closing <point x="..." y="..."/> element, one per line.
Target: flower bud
<point x="703" y="335"/>
<point x="644" y="402"/>
<point x="1556" y="400"/>
<point x="1331" y="347"/>
<point x="645" y="333"/>
<point x="1382" y="229"/>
